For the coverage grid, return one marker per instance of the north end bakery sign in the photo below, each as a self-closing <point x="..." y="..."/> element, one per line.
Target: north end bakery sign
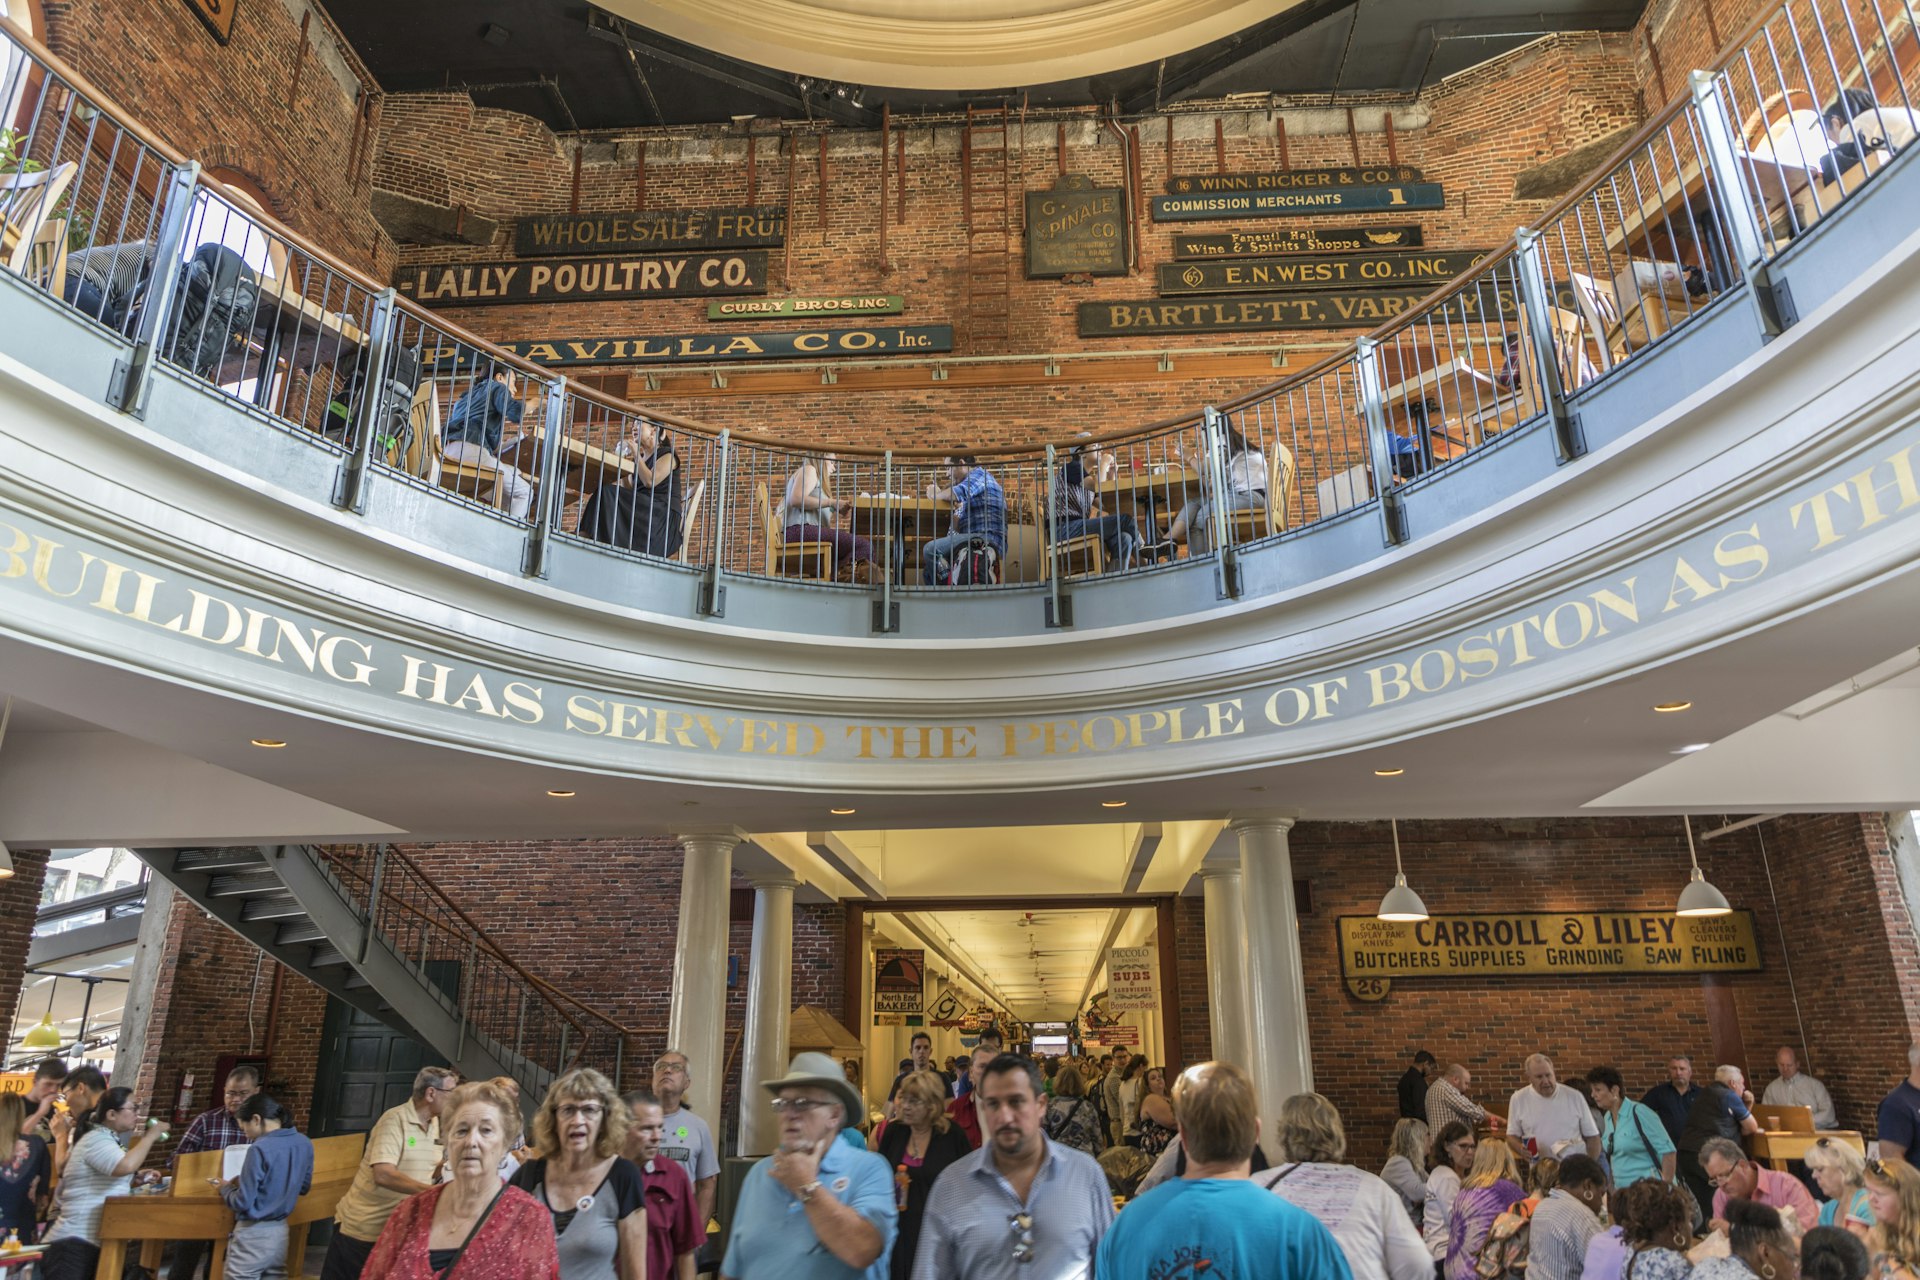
<point x="85" y="594"/>
<point x="1374" y="952"/>
<point x="480" y="284"/>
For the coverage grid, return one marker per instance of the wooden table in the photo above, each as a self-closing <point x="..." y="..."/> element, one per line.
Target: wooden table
<point x="902" y="522"/>
<point x="588" y="466"/>
<point x="1777" y="1147"/>
<point x="156" y="1219"/>
<point x="1152" y="498"/>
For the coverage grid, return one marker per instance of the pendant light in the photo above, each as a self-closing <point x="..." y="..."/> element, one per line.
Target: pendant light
<point x="43" y="1034"/>
<point x="1401" y="903"/>
<point x="1699" y="898"/>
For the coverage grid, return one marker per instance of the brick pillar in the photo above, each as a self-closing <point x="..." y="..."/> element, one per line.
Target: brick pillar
<point x="19" y="903"/>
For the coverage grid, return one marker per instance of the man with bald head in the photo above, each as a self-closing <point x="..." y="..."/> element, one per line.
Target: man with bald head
<point x="1547" y="1118"/>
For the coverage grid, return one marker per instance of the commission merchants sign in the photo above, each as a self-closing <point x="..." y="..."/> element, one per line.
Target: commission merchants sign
<point x="1284" y="204"/>
<point x="1374" y="952"/>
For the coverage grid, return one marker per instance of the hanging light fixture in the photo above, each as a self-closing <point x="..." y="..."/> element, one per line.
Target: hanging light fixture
<point x="1401" y="903"/>
<point x="43" y="1034"/>
<point x="1699" y="898"/>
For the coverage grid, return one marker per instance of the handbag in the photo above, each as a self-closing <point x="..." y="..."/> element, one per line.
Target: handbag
<point x="1699" y="1218"/>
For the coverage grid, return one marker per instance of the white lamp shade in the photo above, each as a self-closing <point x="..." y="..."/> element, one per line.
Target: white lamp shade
<point x="1700" y="898"/>
<point x="1401" y="903"/>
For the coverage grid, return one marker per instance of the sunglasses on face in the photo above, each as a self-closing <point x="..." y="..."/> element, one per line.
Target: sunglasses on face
<point x="799" y="1106"/>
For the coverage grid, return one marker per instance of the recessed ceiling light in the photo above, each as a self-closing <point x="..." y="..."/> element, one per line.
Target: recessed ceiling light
<point x="1671" y="706"/>
<point x="1113" y="804"/>
<point x="559" y="794"/>
<point x="1388" y="773"/>
<point x="1691" y="747"/>
<point x="841" y="813"/>
<point x="272" y="744"/>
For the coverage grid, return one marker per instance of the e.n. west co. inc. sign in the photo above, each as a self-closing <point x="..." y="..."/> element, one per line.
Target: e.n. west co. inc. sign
<point x="1374" y="952"/>
<point x="82" y="593"/>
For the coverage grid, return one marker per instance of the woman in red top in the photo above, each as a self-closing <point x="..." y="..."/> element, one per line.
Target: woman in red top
<point x="473" y="1228"/>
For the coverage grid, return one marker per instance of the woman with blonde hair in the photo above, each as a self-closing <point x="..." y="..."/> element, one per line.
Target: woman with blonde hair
<point x="809" y="514"/>
<point x="1490" y="1188"/>
<point x="1406" y="1167"/>
<point x="596" y="1196"/>
<point x="1841" y="1172"/>
<point x="917" y="1144"/>
<point x="1893" y="1189"/>
<point x="25" y="1168"/>
<point x="1363" y="1213"/>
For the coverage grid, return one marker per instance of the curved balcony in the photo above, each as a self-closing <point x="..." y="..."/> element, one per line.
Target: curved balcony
<point x="1672" y="418"/>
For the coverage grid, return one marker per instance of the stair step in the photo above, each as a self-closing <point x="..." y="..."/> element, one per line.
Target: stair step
<point x="275" y="907"/>
<point x="208" y="861"/>
<point x="293" y="933"/>
<point x="326" y="958"/>
<point x="245" y="884"/>
<point x="356" y="982"/>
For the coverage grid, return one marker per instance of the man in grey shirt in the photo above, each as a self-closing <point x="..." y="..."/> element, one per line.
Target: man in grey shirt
<point x="1566" y="1220"/>
<point x="1795" y="1088"/>
<point x="687" y="1142"/>
<point x="1110" y="1094"/>
<point x="1021" y="1207"/>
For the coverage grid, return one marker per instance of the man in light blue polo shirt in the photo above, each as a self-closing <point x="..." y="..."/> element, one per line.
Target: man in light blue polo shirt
<point x="1021" y="1207"/>
<point x="816" y="1209"/>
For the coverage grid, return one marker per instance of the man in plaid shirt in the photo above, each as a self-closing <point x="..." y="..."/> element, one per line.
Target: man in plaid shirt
<point x="214" y="1130"/>
<point x="979" y="511"/>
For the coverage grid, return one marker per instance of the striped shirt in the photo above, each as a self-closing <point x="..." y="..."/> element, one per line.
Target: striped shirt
<point x="969" y="1231"/>
<point x="1562" y="1228"/>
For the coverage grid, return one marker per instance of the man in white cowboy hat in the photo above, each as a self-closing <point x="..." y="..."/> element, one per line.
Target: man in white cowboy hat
<point x="818" y="1208"/>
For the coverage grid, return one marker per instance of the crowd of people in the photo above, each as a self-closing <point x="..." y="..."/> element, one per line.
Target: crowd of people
<point x="998" y="1165"/>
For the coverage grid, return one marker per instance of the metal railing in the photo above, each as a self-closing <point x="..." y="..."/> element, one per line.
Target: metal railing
<point x="522" y="1020"/>
<point x="1690" y="211"/>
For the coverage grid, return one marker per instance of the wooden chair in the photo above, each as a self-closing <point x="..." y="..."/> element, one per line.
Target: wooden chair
<point x="1251" y="526"/>
<point x="42" y="258"/>
<point x="812" y="560"/>
<point x="689" y="511"/>
<point x="421" y="458"/>
<point x="27" y="200"/>
<point x="1081" y="557"/>
<point x="1600" y="310"/>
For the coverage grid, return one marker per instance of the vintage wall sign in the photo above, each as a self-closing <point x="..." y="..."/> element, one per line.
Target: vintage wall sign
<point x="1132" y="981"/>
<point x="218" y="16"/>
<point x="761" y="227"/>
<point x="1374" y="952"/>
<point x="1385" y="175"/>
<point x="1279" y="240"/>
<point x="480" y="284"/>
<point x="685" y="348"/>
<point x="1359" y="309"/>
<point x="1355" y="271"/>
<point x="878" y="304"/>
<point x="1076" y="229"/>
<point x="1284" y="204"/>
<point x="899" y="979"/>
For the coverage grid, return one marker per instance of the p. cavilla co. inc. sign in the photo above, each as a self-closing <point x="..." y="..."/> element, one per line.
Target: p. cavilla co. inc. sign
<point x="1304" y="271"/>
<point x="480" y="284"/>
<point x="758" y="227"/>
<point x="1348" y="309"/>
<point x="1374" y="952"/>
<point x="1283" y="240"/>
<point x="701" y="348"/>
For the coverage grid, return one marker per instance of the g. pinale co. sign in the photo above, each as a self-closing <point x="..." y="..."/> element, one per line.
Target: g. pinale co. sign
<point x="1374" y="952"/>
<point x="1076" y="229"/>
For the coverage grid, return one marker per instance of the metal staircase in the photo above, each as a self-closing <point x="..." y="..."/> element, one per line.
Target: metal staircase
<point x="367" y="925"/>
<point x="986" y="192"/>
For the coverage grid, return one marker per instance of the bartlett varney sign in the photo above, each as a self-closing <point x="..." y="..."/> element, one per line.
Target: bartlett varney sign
<point x="557" y="233"/>
<point x="1282" y="204"/>
<point x="478" y="284"/>
<point x="1359" y="270"/>
<point x="1374" y="951"/>
<point x="1076" y="229"/>
<point x="1281" y="240"/>
<point x="1360" y="309"/>
<point x="695" y="348"/>
<point x="1296" y="179"/>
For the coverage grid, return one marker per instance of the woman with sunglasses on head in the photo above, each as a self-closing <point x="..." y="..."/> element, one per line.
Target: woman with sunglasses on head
<point x="597" y="1196"/>
<point x="1841" y="1172"/>
<point x="1893" y="1191"/>
<point x="101" y="1164"/>
<point x="1761" y="1247"/>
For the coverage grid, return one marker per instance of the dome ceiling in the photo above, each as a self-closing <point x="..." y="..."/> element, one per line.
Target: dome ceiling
<point x="948" y="44"/>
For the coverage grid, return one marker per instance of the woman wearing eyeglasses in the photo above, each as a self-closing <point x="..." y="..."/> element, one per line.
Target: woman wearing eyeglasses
<point x="918" y="1144"/>
<point x="1761" y="1247"/>
<point x="597" y="1196"/>
<point x="1841" y="1172"/>
<point x="1893" y="1189"/>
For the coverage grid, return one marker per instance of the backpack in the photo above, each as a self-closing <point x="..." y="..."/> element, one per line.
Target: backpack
<point x="1504" y="1251"/>
<point x="975" y="565"/>
<point x="214" y="309"/>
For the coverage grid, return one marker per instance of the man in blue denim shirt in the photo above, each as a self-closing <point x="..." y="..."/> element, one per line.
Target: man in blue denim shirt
<point x="476" y="430"/>
<point x="979" y="511"/>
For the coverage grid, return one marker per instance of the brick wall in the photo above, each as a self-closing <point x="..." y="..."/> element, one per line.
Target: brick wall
<point x="236" y="106"/>
<point x="1487" y="126"/>
<point x="19" y="902"/>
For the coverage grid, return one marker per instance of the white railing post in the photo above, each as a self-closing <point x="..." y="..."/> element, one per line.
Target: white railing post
<point x="1773" y="305"/>
<point x="1366" y="367"/>
<point x="1568" y="443"/>
<point x="713" y="594"/>
<point x="553" y="481"/>
<point x="351" y="493"/>
<point x="133" y="377"/>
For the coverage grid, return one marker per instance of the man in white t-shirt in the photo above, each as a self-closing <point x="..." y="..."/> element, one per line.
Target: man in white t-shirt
<point x="1548" y="1118"/>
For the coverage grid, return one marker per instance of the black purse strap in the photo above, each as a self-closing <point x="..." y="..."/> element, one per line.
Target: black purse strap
<point x="479" y="1222"/>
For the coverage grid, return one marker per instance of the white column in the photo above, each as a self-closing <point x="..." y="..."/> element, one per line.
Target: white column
<point x="697" y="1021"/>
<point x="763" y="1054"/>
<point x="1281" y="1061"/>
<point x="1226" y="963"/>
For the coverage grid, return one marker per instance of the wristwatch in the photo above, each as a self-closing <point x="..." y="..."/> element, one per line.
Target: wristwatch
<point x="806" y="1193"/>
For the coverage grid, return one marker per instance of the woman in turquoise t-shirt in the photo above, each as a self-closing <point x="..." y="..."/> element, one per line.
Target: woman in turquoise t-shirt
<point x="1634" y="1141"/>
<point x="1841" y="1172"/>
